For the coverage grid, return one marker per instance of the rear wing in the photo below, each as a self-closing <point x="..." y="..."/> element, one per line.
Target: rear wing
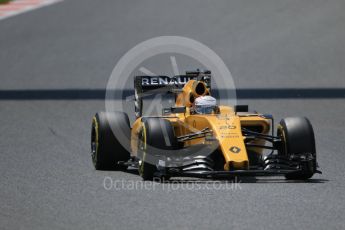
<point x="163" y="84"/>
<point x="146" y="83"/>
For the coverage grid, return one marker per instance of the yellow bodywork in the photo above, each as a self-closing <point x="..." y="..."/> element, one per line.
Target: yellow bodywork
<point x="225" y="125"/>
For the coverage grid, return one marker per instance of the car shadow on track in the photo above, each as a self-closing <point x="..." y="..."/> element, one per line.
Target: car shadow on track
<point x="243" y="180"/>
<point x="282" y="180"/>
<point x="246" y="180"/>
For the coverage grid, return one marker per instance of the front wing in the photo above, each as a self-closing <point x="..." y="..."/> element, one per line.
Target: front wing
<point x="202" y="167"/>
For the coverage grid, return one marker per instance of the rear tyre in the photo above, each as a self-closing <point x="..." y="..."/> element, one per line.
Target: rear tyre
<point x="156" y="138"/>
<point x="298" y="139"/>
<point x="106" y="149"/>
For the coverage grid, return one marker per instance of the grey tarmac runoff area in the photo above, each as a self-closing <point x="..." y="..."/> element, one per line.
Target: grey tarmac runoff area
<point x="55" y="63"/>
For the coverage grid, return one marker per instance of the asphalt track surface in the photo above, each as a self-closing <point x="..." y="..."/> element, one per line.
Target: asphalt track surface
<point x="55" y="63"/>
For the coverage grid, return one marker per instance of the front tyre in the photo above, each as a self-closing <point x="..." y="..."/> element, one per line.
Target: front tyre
<point x="157" y="137"/>
<point x="298" y="139"/>
<point x="106" y="149"/>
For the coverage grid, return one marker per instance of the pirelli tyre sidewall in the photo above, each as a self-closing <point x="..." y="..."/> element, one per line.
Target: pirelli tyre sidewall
<point x="105" y="148"/>
<point x="298" y="138"/>
<point x="156" y="139"/>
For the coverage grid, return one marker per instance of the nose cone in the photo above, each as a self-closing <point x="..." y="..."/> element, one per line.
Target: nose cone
<point x="231" y="143"/>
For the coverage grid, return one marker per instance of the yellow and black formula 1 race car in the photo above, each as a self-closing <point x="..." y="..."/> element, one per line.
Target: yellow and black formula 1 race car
<point x="198" y="138"/>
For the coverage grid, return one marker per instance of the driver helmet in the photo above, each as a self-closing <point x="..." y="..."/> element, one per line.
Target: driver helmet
<point x="205" y="105"/>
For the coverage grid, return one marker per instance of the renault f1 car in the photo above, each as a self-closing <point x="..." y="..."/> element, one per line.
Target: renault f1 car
<point x="226" y="141"/>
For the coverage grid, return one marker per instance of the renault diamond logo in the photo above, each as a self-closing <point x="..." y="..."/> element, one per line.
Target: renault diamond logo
<point x="235" y="149"/>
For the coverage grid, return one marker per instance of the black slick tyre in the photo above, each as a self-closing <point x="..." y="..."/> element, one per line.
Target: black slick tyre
<point x="156" y="138"/>
<point x="298" y="139"/>
<point x="106" y="149"/>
